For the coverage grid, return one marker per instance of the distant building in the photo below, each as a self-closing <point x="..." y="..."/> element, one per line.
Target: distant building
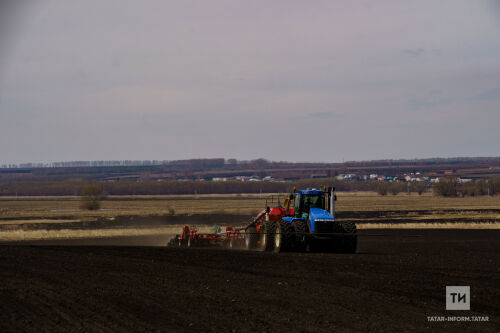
<point x="463" y="180"/>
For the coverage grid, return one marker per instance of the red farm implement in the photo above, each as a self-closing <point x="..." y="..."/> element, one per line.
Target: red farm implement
<point x="190" y="237"/>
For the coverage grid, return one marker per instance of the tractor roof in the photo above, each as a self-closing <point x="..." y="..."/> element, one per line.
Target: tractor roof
<point x="313" y="191"/>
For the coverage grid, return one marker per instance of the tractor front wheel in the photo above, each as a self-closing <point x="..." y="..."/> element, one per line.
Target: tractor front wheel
<point x="316" y="245"/>
<point x="350" y="241"/>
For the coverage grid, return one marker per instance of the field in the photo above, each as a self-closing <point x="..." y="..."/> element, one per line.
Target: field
<point x="66" y="269"/>
<point x="393" y="284"/>
<point x="29" y="218"/>
<point x="12" y="208"/>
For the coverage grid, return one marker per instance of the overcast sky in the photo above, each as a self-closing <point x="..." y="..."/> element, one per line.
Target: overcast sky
<point x="284" y="80"/>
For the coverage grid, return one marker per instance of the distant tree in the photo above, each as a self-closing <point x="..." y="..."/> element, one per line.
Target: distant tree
<point x="382" y="188"/>
<point x="91" y="197"/>
<point x="470" y="189"/>
<point x="419" y="187"/>
<point x="494" y="185"/>
<point x="396" y="188"/>
<point x="446" y="187"/>
<point x="482" y="187"/>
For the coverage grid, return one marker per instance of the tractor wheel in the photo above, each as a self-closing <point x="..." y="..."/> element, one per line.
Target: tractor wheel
<point x="350" y="240"/>
<point x="300" y="229"/>
<point x="180" y="243"/>
<point x="267" y="236"/>
<point x="190" y="242"/>
<point x="315" y="245"/>
<point x="283" y="236"/>
<point x="251" y="238"/>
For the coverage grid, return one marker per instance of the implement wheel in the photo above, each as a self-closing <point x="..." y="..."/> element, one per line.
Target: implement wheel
<point x="172" y="242"/>
<point x="251" y="238"/>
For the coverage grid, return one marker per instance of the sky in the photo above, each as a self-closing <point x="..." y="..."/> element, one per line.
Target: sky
<point x="309" y="81"/>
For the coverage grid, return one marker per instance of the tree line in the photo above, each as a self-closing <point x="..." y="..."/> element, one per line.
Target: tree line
<point x="450" y="187"/>
<point x="394" y="188"/>
<point x="63" y="188"/>
<point x="445" y="187"/>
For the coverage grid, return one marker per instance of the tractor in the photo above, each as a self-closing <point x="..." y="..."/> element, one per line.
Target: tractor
<point x="305" y="221"/>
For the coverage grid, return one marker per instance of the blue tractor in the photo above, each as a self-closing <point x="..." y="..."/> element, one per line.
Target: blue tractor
<point x="305" y="221"/>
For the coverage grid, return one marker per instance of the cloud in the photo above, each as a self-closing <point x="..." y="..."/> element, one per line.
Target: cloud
<point x="423" y="104"/>
<point x="433" y="98"/>
<point x="488" y="95"/>
<point x="322" y="115"/>
<point x="412" y="52"/>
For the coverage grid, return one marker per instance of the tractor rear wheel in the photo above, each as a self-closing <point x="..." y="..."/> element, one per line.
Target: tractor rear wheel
<point x="299" y="228"/>
<point x="266" y="234"/>
<point x="190" y="242"/>
<point x="282" y="236"/>
<point x="251" y="238"/>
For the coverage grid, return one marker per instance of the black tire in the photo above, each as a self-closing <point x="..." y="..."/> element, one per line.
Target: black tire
<point x="180" y="242"/>
<point x="300" y="230"/>
<point x="190" y="242"/>
<point x="251" y="238"/>
<point x="266" y="236"/>
<point x="350" y="240"/>
<point x="232" y="243"/>
<point x="283" y="236"/>
<point x="315" y="245"/>
<point x="336" y="244"/>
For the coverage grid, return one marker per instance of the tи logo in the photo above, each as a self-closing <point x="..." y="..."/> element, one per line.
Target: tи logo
<point x="457" y="298"/>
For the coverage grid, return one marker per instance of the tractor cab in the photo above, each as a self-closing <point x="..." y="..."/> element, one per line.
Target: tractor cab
<point x="317" y="207"/>
<point x="307" y="199"/>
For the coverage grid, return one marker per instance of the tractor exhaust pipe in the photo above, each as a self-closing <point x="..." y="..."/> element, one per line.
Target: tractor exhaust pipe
<point x="332" y="201"/>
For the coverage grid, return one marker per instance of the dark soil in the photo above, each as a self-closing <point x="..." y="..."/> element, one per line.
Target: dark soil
<point x="393" y="283"/>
